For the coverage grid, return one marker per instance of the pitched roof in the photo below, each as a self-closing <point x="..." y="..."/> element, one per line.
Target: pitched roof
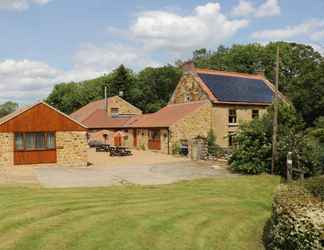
<point x="86" y="111"/>
<point x="233" y="87"/>
<point x="26" y="108"/>
<point x="100" y="119"/>
<point x="165" y="117"/>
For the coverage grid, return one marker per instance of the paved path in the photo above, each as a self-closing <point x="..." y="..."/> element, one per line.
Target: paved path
<point x="153" y="174"/>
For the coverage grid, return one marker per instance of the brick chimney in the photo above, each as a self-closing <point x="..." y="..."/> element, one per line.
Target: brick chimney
<point x="188" y="66"/>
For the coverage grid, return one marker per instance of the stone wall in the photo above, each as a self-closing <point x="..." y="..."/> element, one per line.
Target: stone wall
<point x="188" y="87"/>
<point x="6" y="149"/>
<point x="123" y="106"/>
<point x="220" y="122"/>
<point x="142" y="138"/>
<point x="195" y="124"/>
<point x="71" y="148"/>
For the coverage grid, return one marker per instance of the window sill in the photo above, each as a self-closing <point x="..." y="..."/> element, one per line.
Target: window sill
<point x="35" y="150"/>
<point x="233" y="125"/>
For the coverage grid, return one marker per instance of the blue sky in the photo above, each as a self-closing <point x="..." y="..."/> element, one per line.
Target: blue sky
<point x="44" y="42"/>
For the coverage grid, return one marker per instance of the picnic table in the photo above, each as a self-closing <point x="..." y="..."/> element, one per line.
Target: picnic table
<point x="114" y="150"/>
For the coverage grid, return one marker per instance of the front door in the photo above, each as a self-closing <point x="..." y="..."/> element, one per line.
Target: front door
<point x="154" y="142"/>
<point x="135" y="137"/>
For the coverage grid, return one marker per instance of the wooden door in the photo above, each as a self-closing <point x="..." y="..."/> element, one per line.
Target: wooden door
<point x="135" y="137"/>
<point x="154" y="142"/>
<point x="118" y="140"/>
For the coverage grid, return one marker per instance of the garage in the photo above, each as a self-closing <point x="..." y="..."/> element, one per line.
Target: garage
<point x="40" y="134"/>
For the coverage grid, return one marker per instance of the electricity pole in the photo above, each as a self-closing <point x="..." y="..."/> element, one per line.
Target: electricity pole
<point x="275" y="118"/>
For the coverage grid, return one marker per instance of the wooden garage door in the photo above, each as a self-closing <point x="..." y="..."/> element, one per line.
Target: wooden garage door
<point x="35" y="157"/>
<point x="35" y="148"/>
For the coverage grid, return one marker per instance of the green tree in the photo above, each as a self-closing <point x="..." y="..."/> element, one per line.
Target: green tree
<point x="253" y="154"/>
<point x="155" y="87"/>
<point x="8" y="108"/>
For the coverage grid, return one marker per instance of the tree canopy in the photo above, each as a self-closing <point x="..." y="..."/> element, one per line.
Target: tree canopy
<point x="7" y="108"/>
<point x="301" y="78"/>
<point x="149" y="90"/>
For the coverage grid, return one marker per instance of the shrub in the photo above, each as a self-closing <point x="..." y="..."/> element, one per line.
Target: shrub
<point x="297" y="220"/>
<point x="254" y="145"/>
<point x="176" y="148"/>
<point x="316" y="186"/>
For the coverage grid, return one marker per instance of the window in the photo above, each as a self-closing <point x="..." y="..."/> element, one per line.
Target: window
<point x="255" y="114"/>
<point x="34" y="141"/>
<point x="50" y="140"/>
<point x="114" y="112"/>
<point x="188" y="98"/>
<point x="232" y="117"/>
<point x="19" y="141"/>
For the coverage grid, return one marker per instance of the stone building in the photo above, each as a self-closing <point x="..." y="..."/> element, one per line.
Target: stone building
<point x="235" y="97"/>
<point x="40" y="134"/>
<point x="203" y="100"/>
<point x="105" y="120"/>
<point x="171" y="127"/>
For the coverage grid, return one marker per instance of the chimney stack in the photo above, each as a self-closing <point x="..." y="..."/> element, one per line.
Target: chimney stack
<point x="188" y="66"/>
<point x="261" y="72"/>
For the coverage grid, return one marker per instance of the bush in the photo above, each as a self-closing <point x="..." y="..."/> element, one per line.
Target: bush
<point x="176" y="148"/>
<point x="253" y="153"/>
<point x="316" y="186"/>
<point x="297" y="220"/>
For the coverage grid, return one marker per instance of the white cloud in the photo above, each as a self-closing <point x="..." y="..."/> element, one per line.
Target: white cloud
<point x="20" y="5"/>
<point x="104" y="59"/>
<point x="24" y="81"/>
<point x="268" y="8"/>
<point x="244" y="8"/>
<point x="319" y="48"/>
<point x="166" y="30"/>
<point x="247" y="8"/>
<point x="309" y="28"/>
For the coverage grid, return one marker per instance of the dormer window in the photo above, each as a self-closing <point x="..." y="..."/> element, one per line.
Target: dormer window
<point x="114" y="112"/>
<point x="188" y="98"/>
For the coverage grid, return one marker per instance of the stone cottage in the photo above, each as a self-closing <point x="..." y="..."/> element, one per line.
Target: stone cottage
<point x="235" y="97"/>
<point x="203" y="100"/>
<point x="105" y="120"/>
<point x="40" y="134"/>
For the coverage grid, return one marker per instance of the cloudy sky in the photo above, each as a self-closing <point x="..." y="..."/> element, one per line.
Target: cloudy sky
<point x="44" y="42"/>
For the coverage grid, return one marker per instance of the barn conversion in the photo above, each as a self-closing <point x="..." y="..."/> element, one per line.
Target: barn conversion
<point x="203" y="100"/>
<point x="40" y="134"/>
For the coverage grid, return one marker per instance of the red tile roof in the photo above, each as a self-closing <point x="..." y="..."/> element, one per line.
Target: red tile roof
<point x="165" y="117"/>
<point x="84" y="112"/>
<point x="100" y="119"/>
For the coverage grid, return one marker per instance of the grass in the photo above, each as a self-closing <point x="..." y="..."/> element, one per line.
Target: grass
<point x="205" y="214"/>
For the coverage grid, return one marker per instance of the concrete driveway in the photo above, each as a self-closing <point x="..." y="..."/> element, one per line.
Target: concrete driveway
<point x="153" y="174"/>
<point x="143" y="168"/>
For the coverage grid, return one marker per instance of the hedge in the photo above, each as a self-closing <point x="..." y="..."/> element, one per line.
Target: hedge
<point x="298" y="219"/>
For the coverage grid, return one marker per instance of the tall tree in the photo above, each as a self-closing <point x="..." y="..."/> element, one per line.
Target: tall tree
<point x="7" y="108"/>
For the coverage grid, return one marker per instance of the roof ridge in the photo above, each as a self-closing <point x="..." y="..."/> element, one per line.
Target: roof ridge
<point x="230" y="73"/>
<point x="186" y="103"/>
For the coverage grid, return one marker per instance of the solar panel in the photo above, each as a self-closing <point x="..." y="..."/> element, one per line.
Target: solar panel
<point x="237" y="89"/>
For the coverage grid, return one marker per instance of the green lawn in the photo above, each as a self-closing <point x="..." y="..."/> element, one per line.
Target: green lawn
<point x="205" y="214"/>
